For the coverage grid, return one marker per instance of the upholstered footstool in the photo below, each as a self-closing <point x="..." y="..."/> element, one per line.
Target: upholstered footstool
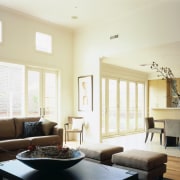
<point x="149" y="165"/>
<point x="100" y="153"/>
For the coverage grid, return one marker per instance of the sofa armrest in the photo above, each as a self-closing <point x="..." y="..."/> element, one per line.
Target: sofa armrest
<point x="58" y="131"/>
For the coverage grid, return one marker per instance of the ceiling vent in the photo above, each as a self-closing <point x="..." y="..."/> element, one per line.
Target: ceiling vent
<point x="114" y="36"/>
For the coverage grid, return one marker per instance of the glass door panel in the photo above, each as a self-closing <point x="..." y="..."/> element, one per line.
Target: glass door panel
<point x="123" y="106"/>
<point x="132" y="106"/>
<point x="141" y="109"/>
<point x="103" y="105"/>
<point x="50" y="97"/>
<point x="33" y="91"/>
<point x="112" y="120"/>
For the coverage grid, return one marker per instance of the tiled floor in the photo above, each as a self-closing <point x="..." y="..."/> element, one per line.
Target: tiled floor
<point x="136" y="141"/>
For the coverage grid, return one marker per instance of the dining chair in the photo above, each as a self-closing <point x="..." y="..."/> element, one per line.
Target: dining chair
<point x="172" y="129"/>
<point x="74" y="125"/>
<point x="150" y="128"/>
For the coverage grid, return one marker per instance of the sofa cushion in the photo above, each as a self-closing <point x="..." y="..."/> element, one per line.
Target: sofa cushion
<point x="45" y="140"/>
<point x="77" y="123"/>
<point x="33" y="129"/>
<point x="19" y="124"/>
<point x="100" y="151"/>
<point x="7" y="129"/>
<point x="47" y="126"/>
<point x="14" y="144"/>
<point x="139" y="159"/>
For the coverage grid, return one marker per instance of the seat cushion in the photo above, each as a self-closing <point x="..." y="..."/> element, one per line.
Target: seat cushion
<point x="156" y="130"/>
<point x="45" y="140"/>
<point x="14" y="144"/>
<point x="139" y="159"/>
<point x="99" y="151"/>
<point x="77" y="123"/>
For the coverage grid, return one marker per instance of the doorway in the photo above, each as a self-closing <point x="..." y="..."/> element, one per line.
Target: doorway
<point x="42" y="93"/>
<point x="123" y="106"/>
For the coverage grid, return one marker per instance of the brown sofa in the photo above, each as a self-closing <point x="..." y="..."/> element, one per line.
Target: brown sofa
<point x="13" y="140"/>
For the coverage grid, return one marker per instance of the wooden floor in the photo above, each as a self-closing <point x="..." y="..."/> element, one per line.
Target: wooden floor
<point x="173" y="168"/>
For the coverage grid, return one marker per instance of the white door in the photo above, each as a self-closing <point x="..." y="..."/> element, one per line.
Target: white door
<point x="122" y="106"/>
<point x="42" y="93"/>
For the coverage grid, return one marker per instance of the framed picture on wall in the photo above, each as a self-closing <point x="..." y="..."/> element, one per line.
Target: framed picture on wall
<point x="85" y="93"/>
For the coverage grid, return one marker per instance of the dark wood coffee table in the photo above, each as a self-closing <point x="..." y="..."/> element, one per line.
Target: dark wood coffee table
<point x="84" y="170"/>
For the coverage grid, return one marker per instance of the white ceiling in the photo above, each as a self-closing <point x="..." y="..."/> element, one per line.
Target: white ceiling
<point x="90" y="12"/>
<point x="87" y="11"/>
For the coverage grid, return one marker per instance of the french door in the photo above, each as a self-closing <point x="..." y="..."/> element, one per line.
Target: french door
<point x="122" y="106"/>
<point x="41" y="91"/>
<point x="109" y="107"/>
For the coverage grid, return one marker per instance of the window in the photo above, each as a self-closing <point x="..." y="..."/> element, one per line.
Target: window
<point x="43" y="42"/>
<point x="11" y="91"/>
<point x="0" y="31"/>
<point x="29" y="91"/>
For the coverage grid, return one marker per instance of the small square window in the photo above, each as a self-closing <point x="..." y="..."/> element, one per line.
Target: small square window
<point x="43" y="42"/>
<point x="0" y="31"/>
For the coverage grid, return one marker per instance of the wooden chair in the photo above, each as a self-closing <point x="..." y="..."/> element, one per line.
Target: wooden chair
<point x="150" y="128"/>
<point x="74" y="125"/>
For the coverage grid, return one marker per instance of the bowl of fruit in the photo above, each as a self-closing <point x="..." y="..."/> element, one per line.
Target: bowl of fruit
<point x="50" y="158"/>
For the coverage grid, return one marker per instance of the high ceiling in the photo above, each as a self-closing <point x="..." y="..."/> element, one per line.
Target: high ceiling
<point x="77" y="14"/>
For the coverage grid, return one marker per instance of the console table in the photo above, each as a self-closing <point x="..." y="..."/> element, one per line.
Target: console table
<point x="84" y="170"/>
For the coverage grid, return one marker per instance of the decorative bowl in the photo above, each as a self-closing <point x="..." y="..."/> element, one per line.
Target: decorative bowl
<point x="49" y="158"/>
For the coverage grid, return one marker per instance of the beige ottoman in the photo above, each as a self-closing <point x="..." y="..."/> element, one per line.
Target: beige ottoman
<point x="149" y="165"/>
<point x="100" y="153"/>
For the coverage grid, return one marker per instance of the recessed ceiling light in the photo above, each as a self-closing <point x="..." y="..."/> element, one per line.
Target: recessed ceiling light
<point x="74" y="17"/>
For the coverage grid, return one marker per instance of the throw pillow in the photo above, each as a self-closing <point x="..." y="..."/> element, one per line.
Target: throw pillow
<point x="32" y="129"/>
<point x="47" y="126"/>
<point x="77" y="124"/>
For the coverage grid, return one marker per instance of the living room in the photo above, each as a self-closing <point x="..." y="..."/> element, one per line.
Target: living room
<point x="84" y="51"/>
<point x="70" y="62"/>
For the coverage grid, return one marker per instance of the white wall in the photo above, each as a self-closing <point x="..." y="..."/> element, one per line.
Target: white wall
<point x="18" y="46"/>
<point x="153" y="26"/>
<point x="86" y="62"/>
